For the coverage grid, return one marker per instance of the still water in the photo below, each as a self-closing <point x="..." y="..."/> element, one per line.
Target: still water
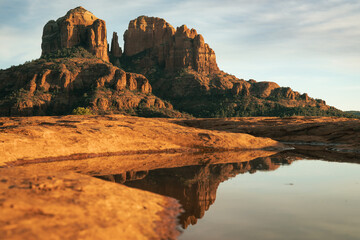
<point x="260" y="199"/>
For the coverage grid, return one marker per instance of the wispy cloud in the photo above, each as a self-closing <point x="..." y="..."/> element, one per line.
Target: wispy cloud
<point x="18" y="46"/>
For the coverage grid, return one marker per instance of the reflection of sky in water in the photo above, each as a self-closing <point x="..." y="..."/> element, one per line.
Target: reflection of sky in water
<point x="322" y="203"/>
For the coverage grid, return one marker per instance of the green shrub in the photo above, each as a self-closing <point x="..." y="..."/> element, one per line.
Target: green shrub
<point x="81" y="111"/>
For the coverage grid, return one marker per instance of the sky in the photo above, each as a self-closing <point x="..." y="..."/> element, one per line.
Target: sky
<point x="311" y="46"/>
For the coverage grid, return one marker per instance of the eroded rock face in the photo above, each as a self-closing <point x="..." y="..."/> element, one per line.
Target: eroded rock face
<point x="182" y="68"/>
<point x="172" y="49"/>
<point x="78" y="27"/>
<point x="58" y="86"/>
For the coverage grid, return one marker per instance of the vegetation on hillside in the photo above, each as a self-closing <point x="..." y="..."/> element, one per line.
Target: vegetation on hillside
<point x="74" y="52"/>
<point x="220" y="107"/>
<point x="357" y="113"/>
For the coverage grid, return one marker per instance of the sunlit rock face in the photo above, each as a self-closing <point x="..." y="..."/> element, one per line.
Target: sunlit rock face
<point x="182" y="69"/>
<point x="170" y="48"/>
<point x="56" y="87"/>
<point x="116" y="50"/>
<point x="78" y="27"/>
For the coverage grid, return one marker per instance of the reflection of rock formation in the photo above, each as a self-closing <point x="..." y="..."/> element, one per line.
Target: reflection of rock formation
<point x="326" y="153"/>
<point x="194" y="186"/>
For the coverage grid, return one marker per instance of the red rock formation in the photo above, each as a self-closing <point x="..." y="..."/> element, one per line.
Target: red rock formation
<point x="78" y="27"/>
<point x="182" y="69"/>
<point x="241" y="89"/>
<point x="263" y="89"/>
<point x="173" y="50"/>
<point x="41" y="87"/>
<point x="115" y="48"/>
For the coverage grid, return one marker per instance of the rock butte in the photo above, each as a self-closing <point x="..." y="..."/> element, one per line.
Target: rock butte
<point x="182" y="68"/>
<point x="173" y="64"/>
<point x="78" y="27"/>
<point x="173" y="49"/>
<point x="58" y="85"/>
<point x="115" y="51"/>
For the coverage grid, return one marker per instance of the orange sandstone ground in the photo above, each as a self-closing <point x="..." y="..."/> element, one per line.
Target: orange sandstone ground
<point x="33" y="138"/>
<point x="46" y="191"/>
<point x="40" y="205"/>
<point x="46" y="188"/>
<point x="344" y="132"/>
<point x="58" y="200"/>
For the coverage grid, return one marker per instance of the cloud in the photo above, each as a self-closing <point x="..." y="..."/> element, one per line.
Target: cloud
<point x="18" y="46"/>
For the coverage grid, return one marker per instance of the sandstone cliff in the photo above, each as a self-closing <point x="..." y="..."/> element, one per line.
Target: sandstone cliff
<point x="74" y="71"/>
<point x="167" y="47"/>
<point x="182" y="68"/>
<point x="176" y="64"/>
<point x="78" y="27"/>
<point x="57" y="86"/>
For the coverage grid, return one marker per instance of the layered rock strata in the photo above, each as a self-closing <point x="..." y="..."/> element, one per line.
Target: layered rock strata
<point x="58" y="86"/>
<point x="115" y="50"/>
<point x="170" y="48"/>
<point x="182" y="68"/>
<point x="78" y="27"/>
<point x="74" y="71"/>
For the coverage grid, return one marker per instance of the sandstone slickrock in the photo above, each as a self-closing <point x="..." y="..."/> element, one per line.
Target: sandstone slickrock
<point x="78" y="27"/>
<point x="340" y="132"/>
<point x="66" y="136"/>
<point x="46" y="205"/>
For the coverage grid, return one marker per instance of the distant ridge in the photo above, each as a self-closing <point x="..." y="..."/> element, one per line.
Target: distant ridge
<point x="353" y="112"/>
